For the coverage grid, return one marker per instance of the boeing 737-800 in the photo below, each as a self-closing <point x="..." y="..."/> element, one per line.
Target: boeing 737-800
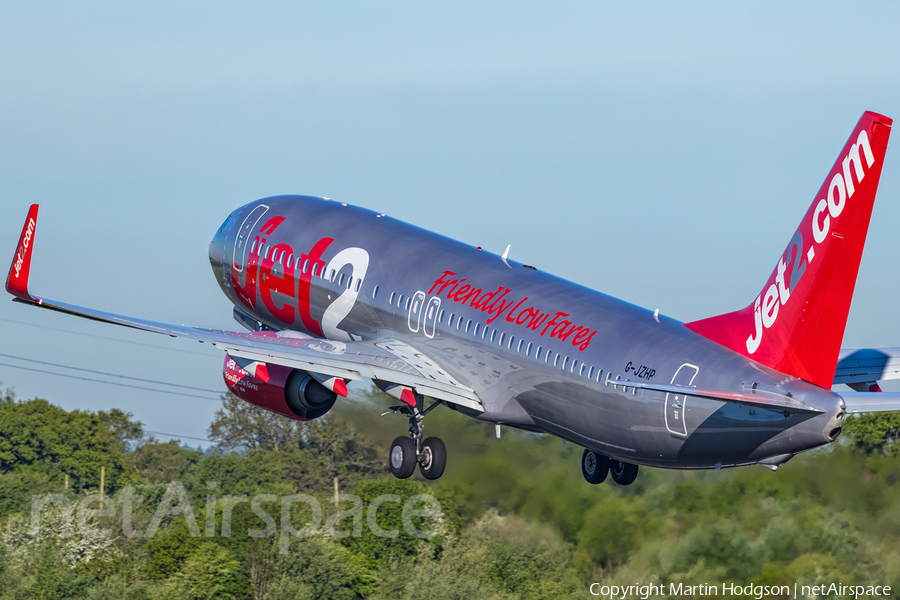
<point x="330" y="292"/>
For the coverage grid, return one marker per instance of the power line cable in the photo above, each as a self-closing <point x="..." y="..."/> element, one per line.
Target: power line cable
<point x="174" y="435"/>
<point x="103" y="337"/>
<point x="52" y="364"/>
<point x="136" y="387"/>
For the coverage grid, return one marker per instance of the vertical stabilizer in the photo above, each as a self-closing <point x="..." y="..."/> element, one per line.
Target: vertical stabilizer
<point x="796" y="323"/>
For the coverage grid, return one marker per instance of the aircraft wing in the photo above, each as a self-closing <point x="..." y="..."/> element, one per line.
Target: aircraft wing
<point x="868" y="402"/>
<point x="867" y="365"/>
<point x="387" y="360"/>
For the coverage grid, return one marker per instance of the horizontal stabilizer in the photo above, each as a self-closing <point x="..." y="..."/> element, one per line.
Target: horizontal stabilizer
<point x="867" y="365"/>
<point x="759" y="399"/>
<point x="869" y="402"/>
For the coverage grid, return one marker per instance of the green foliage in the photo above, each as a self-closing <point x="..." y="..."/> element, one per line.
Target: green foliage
<point x="38" y="436"/>
<point x="164" y="462"/>
<point x="239" y="424"/>
<point x="393" y="541"/>
<point x="318" y="568"/>
<point x="518" y="520"/>
<point x="47" y="576"/>
<point x="168" y="551"/>
<point x="209" y="573"/>
<point x="877" y="433"/>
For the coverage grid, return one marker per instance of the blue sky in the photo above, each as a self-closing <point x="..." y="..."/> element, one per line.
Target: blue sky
<point x="660" y="153"/>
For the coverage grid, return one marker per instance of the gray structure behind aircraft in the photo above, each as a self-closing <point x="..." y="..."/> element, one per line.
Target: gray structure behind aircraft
<point x="330" y="292"/>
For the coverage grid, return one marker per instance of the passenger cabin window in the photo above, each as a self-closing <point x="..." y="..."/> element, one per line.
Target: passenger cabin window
<point x="374" y="291"/>
<point x="253" y="247"/>
<point x="476" y="329"/>
<point x="450" y="321"/>
<point x="408" y="300"/>
<point x="468" y="325"/>
<point x="391" y="302"/>
<point x="340" y="279"/>
<point x="565" y="360"/>
<point x="358" y="284"/>
<point x="590" y="372"/>
<point x="441" y="317"/>
<point x="333" y="273"/>
<point x="400" y="300"/>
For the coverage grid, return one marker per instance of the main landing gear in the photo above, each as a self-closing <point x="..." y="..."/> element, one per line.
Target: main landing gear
<point x="595" y="467"/>
<point x="409" y="451"/>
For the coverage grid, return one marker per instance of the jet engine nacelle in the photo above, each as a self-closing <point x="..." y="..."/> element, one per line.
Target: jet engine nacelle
<point x="289" y="392"/>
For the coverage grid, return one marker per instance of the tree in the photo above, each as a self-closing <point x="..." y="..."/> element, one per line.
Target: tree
<point x="47" y="576"/>
<point x="239" y="424"/>
<point x="875" y="433"/>
<point x="162" y="462"/>
<point x="36" y="435"/>
<point x="212" y="572"/>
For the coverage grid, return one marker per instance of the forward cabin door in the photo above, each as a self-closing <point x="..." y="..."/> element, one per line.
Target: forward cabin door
<point x="243" y="240"/>
<point x="676" y="403"/>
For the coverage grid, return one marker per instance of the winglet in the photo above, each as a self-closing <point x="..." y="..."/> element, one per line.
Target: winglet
<point x="17" y="280"/>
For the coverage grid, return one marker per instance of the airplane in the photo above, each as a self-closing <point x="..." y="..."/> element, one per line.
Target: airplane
<point x="328" y="292"/>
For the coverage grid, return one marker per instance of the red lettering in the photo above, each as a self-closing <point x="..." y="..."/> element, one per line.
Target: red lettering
<point x="474" y="296"/>
<point x="509" y="317"/>
<point x="586" y="342"/>
<point x="269" y="283"/>
<point x="553" y="321"/>
<point x="441" y="280"/>
<point x="271" y="225"/>
<point x="457" y="297"/>
<point x="582" y="332"/>
<point x="503" y="307"/>
<point x="537" y="321"/>
<point x="314" y="257"/>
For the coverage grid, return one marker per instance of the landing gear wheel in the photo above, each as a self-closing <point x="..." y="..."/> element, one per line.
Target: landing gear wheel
<point x="623" y="473"/>
<point x="403" y="457"/>
<point x="594" y="466"/>
<point x="433" y="458"/>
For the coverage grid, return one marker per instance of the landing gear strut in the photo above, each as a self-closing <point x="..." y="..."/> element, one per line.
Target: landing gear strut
<point x="406" y="452"/>
<point x="595" y="467"/>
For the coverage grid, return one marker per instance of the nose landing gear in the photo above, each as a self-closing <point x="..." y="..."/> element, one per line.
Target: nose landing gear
<point x="596" y="466"/>
<point x="406" y="452"/>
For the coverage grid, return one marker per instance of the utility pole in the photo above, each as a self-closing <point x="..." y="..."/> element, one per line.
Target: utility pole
<point x="102" y="480"/>
<point x="67" y="481"/>
<point x="335" y="491"/>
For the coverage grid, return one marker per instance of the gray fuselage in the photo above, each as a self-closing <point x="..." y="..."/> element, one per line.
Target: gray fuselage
<point x="542" y="353"/>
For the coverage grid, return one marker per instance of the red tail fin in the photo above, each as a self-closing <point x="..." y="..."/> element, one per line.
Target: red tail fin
<point x="17" y="280"/>
<point x="796" y="324"/>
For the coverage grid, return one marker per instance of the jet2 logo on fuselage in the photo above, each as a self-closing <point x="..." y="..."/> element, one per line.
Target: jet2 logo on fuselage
<point x="295" y="281"/>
